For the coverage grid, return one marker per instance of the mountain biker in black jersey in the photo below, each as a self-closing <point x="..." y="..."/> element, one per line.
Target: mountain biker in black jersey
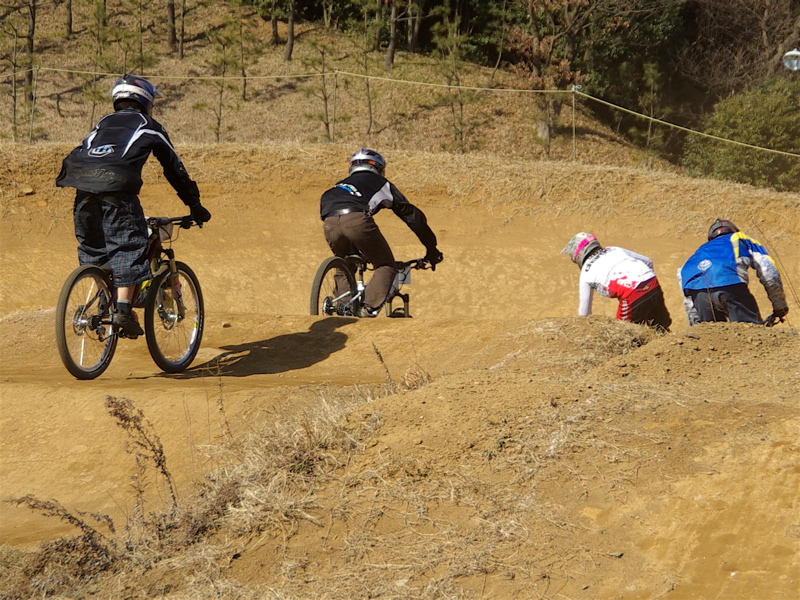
<point x="347" y="209"/>
<point x="106" y="170"/>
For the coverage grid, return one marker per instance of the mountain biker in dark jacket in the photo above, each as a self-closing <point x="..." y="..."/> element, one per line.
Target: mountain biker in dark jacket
<point x="347" y="209"/>
<point x="106" y="170"/>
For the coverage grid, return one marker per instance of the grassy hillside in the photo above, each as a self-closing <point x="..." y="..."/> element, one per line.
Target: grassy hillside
<point x="207" y="98"/>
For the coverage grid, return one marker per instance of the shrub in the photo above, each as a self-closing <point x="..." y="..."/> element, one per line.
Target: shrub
<point x="767" y="116"/>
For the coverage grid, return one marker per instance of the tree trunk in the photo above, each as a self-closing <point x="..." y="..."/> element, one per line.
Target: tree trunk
<point x="287" y="56"/>
<point x="274" y="18"/>
<point x="182" y="36"/>
<point x="171" y="29"/>
<point x="69" y="18"/>
<point x="369" y="94"/>
<point x="378" y="26"/>
<point x="29" y="41"/>
<point x="415" y="23"/>
<point x="242" y="60"/>
<point x="392" y="37"/>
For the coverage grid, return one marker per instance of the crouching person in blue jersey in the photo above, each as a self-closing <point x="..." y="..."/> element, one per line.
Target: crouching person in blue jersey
<point x="714" y="280"/>
<point x="106" y="171"/>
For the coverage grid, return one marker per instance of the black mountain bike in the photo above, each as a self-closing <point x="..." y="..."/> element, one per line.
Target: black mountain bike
<point x="338" y="287"/>
<point x="172" y="302"/>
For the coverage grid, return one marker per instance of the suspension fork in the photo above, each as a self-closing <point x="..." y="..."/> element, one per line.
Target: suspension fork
<point x="174" y="282"/>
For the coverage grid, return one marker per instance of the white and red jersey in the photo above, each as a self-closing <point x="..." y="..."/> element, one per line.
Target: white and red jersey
<point x="615" y="273"/>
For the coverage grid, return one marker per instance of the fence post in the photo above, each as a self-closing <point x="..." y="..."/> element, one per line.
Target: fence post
<point x="33" y="102"/>
<point x="575" y="88"/>
<point x="335" y="89"/>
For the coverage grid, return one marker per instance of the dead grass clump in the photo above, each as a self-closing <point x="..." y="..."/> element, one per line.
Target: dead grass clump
<point x="415" y="377"/>
<point x="604" y="338"/>
<point x="271" y="484"/>
<point x="63" y="563"/>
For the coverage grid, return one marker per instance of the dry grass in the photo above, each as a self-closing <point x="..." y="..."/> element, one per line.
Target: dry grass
<point x="330" y="505"/>
<point x="267" y="487"/>
<point x="283" y="105"/>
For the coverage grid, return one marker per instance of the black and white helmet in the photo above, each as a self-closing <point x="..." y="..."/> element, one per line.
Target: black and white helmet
<point x="721" y="227"/>
<point x="367" y="160"/>
<point x="138" y="89"/>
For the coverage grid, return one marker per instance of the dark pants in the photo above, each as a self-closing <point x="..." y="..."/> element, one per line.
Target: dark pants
<point x="112" y="229"/>
<point x="356" y="232"/>
<point x="651" y="310"/>
<point x="729" y="303"/>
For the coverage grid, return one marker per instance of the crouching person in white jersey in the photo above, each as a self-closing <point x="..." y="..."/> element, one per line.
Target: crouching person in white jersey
<point x="618" y="273"/>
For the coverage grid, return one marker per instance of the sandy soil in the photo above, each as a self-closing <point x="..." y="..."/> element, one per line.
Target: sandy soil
<point x="549" y="457"/>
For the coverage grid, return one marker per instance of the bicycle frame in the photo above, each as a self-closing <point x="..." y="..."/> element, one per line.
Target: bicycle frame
<point x="161" y="231"/>
<point x="402" y="277"/>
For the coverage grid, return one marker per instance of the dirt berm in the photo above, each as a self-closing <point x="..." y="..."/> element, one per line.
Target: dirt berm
<point x="500" y="446"/>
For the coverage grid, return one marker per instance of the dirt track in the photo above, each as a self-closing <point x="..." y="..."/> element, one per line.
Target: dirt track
<point x="666" y="467"/>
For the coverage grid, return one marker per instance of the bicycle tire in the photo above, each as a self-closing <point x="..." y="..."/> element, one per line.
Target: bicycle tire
<point x="84" y="336"/>
<point x="174" y="339"/>
<point x="323" y="289"/>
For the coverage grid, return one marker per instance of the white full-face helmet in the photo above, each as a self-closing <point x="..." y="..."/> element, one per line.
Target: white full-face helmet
<point x="580" y="247"/>
<point x="367" y="160"/>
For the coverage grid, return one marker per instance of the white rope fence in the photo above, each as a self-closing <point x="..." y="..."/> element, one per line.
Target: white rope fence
<point x="574" y="91"/>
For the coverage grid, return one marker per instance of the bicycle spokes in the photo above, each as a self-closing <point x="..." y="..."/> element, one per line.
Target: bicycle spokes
<point x="84" y="334"/>
<point x="174" y="319"/>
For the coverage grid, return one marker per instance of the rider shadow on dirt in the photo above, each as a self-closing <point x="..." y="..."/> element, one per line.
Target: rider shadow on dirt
<point x="275" y="355"/>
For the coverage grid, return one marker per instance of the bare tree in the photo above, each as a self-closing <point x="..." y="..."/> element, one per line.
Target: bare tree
<point x="378" y="25"/>
<point x="390" y="50"/>
<point x="274" y="21"/>
<point x="68" y="18"/>
<point x="738" y="42"/>
<point x="416" y="13"/>
<point x="321" y="88"/>
<point x="545" y="54"/>
<point x="182" y="36"/>
<point x="172" y="35"/>
<point x="29" y="43"/>
<point x="287" y="56"/>
<point x="8" y="27"/>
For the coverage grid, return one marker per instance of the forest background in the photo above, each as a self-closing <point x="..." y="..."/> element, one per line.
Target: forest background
<point x="650" y="71"/>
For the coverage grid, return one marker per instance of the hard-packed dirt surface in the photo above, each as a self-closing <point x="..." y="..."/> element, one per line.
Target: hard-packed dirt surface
<point x="524" y="452"/>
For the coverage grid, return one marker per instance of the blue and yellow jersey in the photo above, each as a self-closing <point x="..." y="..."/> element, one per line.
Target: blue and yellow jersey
<point x="725" y="260"/>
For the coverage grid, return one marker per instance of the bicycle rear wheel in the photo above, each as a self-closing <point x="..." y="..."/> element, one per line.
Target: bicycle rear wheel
<point x="83" y="323"/>
<point x="173" y="319"/>
<point x="329" y="296"/>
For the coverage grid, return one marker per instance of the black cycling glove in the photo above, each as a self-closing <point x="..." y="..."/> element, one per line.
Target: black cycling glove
<point x="434" y="257"/>
<point x="200" y="213"/>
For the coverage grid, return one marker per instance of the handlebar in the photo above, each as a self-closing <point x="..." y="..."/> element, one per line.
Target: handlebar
<point x="184" y="222"/>
<point x="416" y="263"/>
<point x="400" y="265"/>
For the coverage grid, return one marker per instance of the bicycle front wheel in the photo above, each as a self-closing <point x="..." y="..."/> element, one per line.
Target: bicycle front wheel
<point x="333" y="288"/>
<point x="83" y="323"/>
<point x="173" y="319"/>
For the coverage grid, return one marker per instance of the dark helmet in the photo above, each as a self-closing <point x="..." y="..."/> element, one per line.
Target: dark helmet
<point x="138" y="89"/>
<point x="721" y="227"/>
<point x="367" y="160"/>
<point x="580" y="247"/>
